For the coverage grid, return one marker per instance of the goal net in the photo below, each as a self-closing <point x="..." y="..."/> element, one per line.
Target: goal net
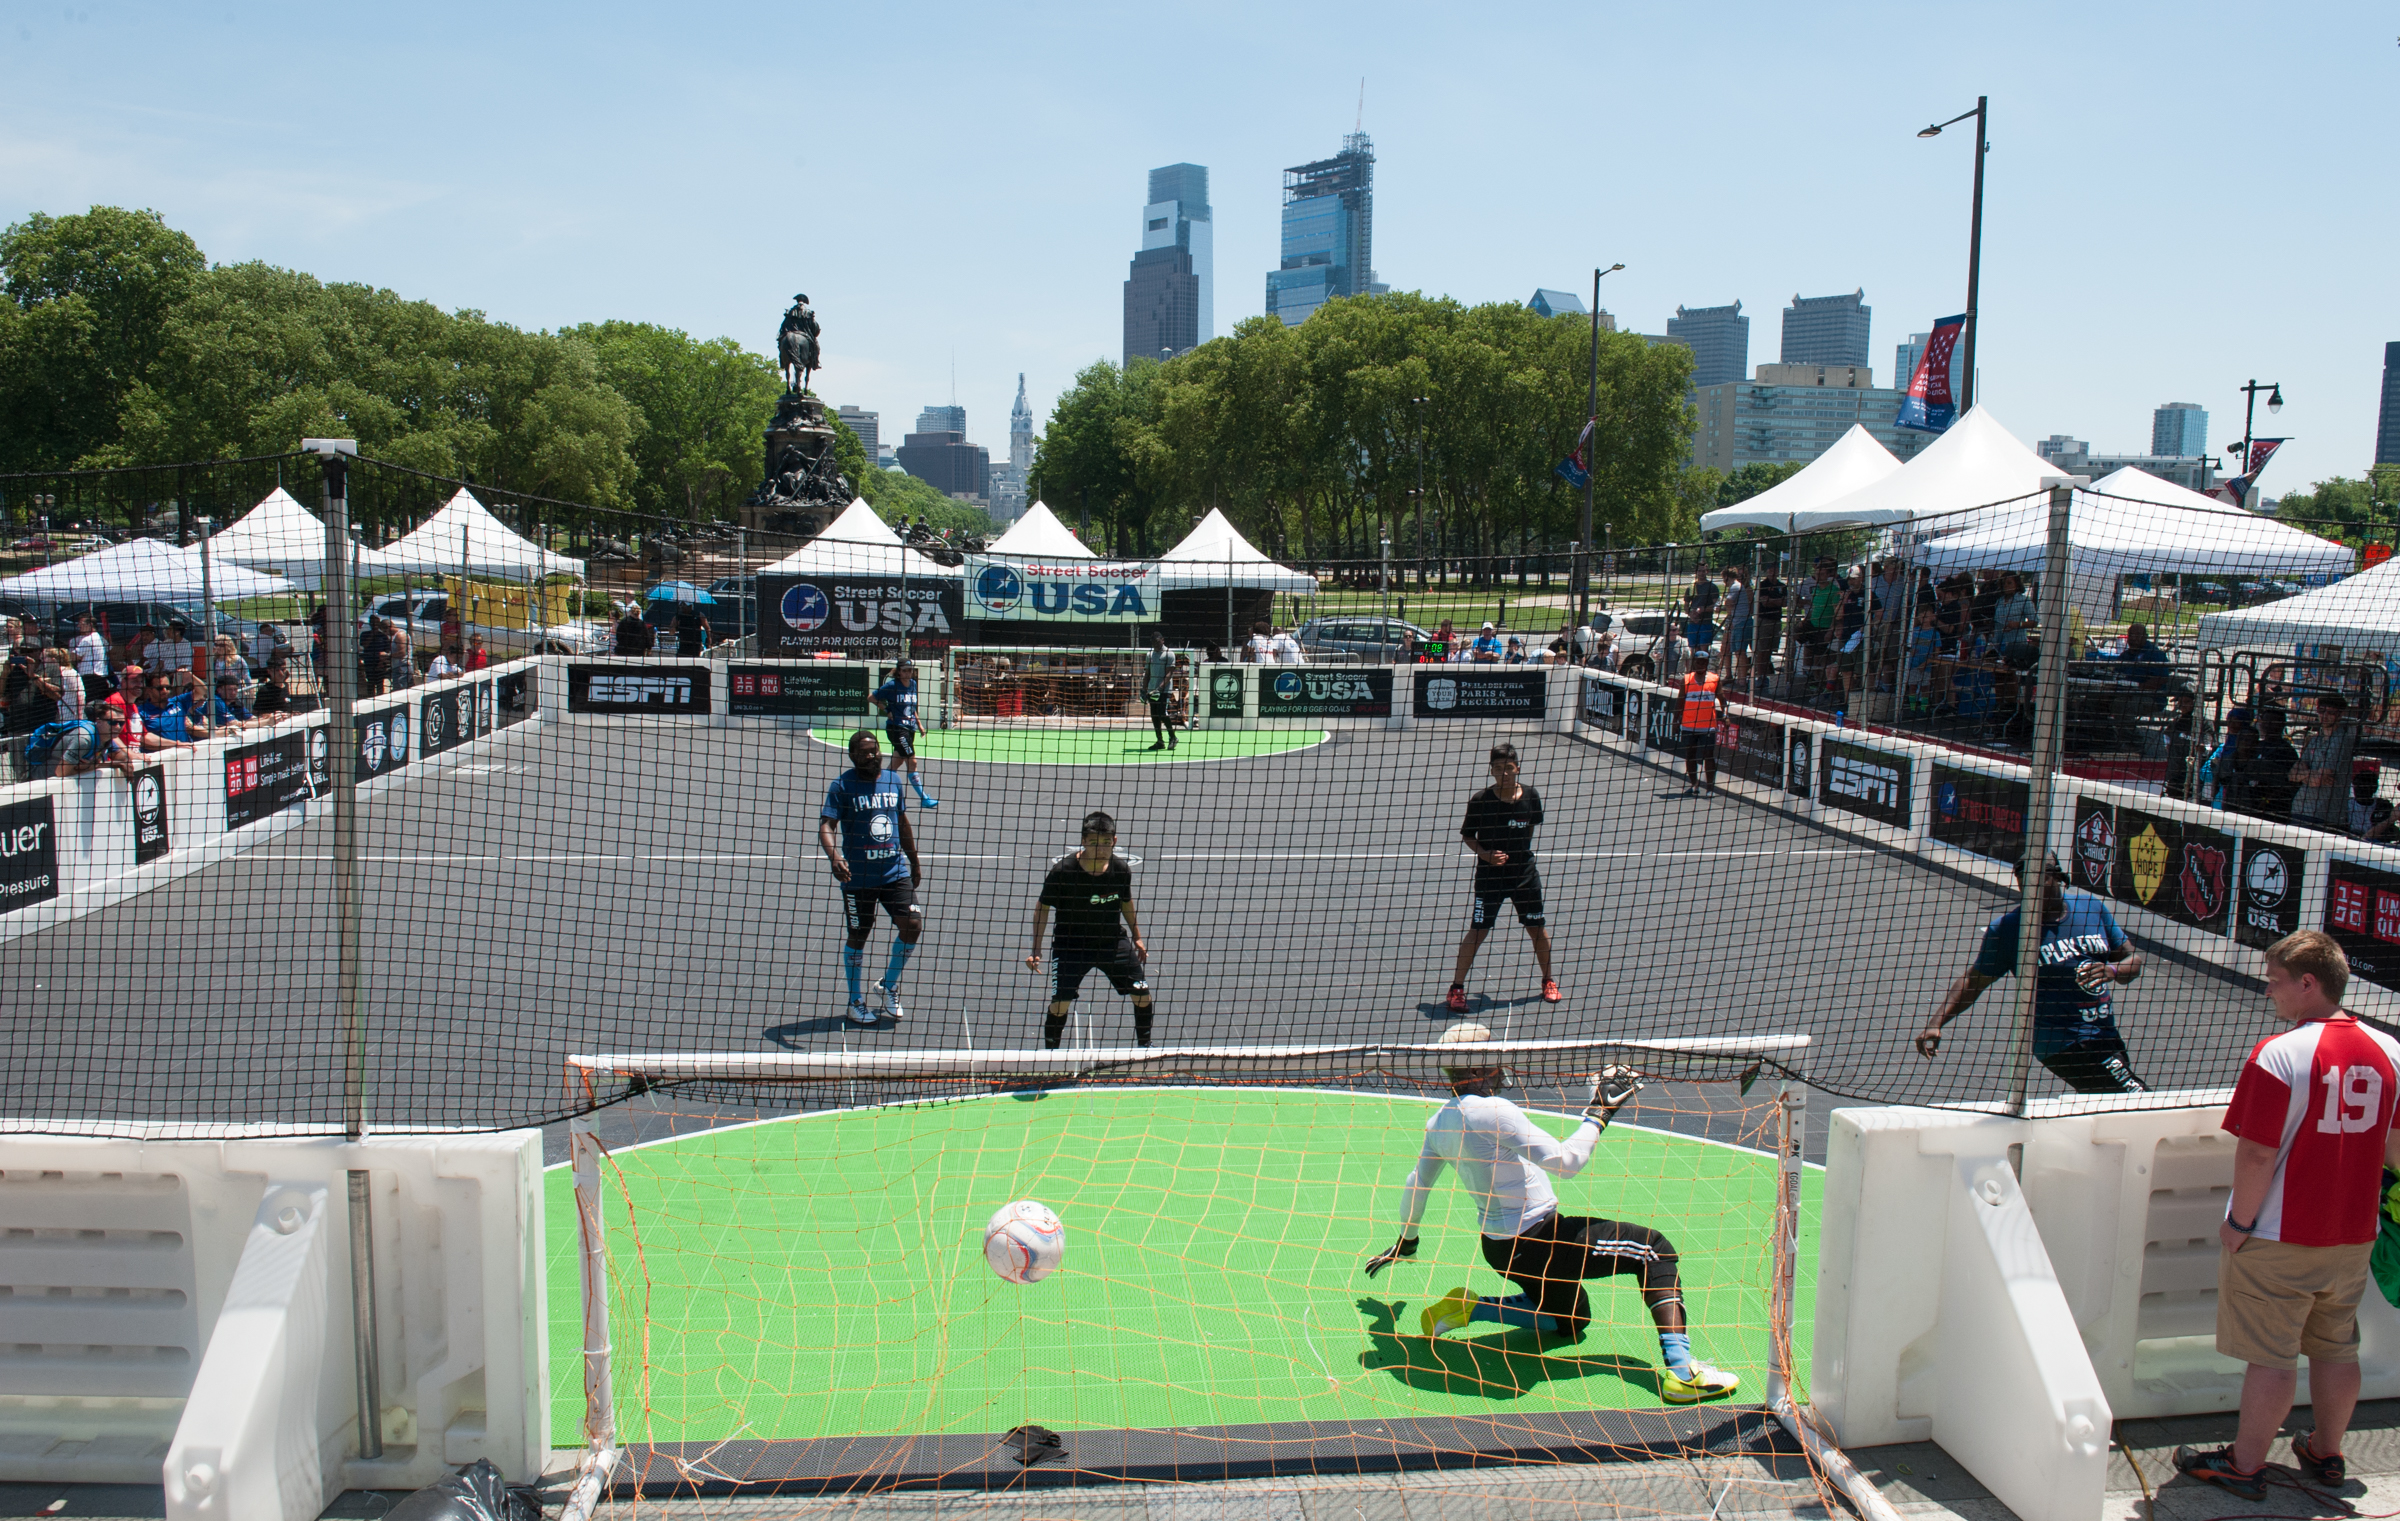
<point x="995" y="686"/>
<point x="785" y="1285"/>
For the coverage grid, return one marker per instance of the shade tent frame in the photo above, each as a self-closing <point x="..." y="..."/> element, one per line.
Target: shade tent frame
<point x="465" y="536"/>
<point x="2359" y="613"/>
<point x="142" y="570"/>
<point x="1040" y="535"/>
<point x="281" y="536"/>
<point x="1804" y="504"/>
<point x="1975" y="463"/>
<point x="858" y="543"/>
<point x="1214" y="553"/>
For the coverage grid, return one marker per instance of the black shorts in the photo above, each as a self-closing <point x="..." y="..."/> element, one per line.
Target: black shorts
<point x="899" y="899"/>
<point x="1525" y="892"/>
<point x="1551" y="1261"/>
<point x="2095" y="1066"/>
<point x="1700" y="744"/>
<point x="904" y="740"/>
<point x="1158" y="707"/>
<point x="1070" y="965"/>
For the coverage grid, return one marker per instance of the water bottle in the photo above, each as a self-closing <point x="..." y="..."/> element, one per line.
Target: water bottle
<point x="1841" y="719"/>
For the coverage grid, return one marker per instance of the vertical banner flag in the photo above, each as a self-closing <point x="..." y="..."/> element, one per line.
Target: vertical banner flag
<point x="2237" y="490"/>
<point x="1928" y="406"/>
<point x="1576" y="468"/>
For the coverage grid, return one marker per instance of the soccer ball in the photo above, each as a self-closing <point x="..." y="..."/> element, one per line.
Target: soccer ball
<point x="1024" y="1242"/>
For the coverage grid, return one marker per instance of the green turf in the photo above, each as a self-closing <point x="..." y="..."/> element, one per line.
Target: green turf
<point x="823" y="1276"/>
<point x="1093" y="747"/>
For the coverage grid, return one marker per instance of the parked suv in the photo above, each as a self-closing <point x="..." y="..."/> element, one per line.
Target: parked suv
<point x="1376" y="641"/>
<point x="1641" y="641"/>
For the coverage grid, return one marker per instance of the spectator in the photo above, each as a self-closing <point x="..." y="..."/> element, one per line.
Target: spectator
<point x="1213" y="653"/>
<point x="24" y="707"/>
<point x="263" y="644"/>
<point x="1486" y="648"/>
<point x="1924" y="656"/>
<point x="2221" y="774"/>
<point x="404" y="655"/>
<point x="1604" y="654"/>
<point x="1821" y="603"/>
<point x="477" y="657"/>
<point x="1700" y="610"/>
<point x="634" y="635"/>
<point x="1586" y="639"/>
<point x="85" y="747"/>
<point x="2014" y="617"/>
<point x="2322" y="774"/>
<point x="1950" y="615"/>
<point x="226" y="715"/>
<point x="1983" y="607"/>
<point x="2370" y="815"/>
<point x="453" y="633"/>
<point x="1850" y="634"/>
<point x="65" y="684"/>
<point x="2267" y="780"/>
<point x="1515" y="653"/>
<point x="91" y="656"/>
<point x="169" y="714"/>
<point x="1739" y="624"/>
<point x="444" y="667"/>
<point x="229" y="658"/>
<point x="2302" y="1217"/>
<point x="374" y="657"/>
<point x="134" y="650"/>
<point x="1260" y="648"/>
<point x="1287" y="648"/>
<point x="2182" y="724"/>
<point x="318" y="643"/>
<point x="1773" y="598"/>
<point x="1447" y="637"/>
<point x="692" y="630"/>
<point x="273" y="699"/>
<point x="173" y="653"/>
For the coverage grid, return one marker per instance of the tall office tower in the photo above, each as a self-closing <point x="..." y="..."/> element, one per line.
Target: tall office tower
<point x="943" y="420"/>
<point x="2179" y="428"/>
<point x="1328" y="232"/>
<point x="939" y="455"/>
<point x="863" y="423"/>
<point x="1905" y="357"/>
<point x="1827" y="329"/>
<point x="1719" y="338"/>
<point x="2387" y="423"/>
<point x="1170" y="300"/>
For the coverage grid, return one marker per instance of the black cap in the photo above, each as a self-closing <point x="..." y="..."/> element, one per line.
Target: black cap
<point x="2051" y="857"/>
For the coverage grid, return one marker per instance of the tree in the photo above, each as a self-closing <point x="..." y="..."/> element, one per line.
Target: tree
<point x="2345" y="508"/>
<point x="896" y="495"/>
<point x="704" y="407"/>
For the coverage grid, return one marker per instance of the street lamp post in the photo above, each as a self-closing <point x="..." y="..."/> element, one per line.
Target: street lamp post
<point x="1966" y="392"/>
<point x="2241" y="466"/>
<point x="1419" y="403"/>
<point x="1583" y="541"/>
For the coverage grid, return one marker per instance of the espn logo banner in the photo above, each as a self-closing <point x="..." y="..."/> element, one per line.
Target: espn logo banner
<point x="656" y="690"/>
<point x="1870" y="783"/>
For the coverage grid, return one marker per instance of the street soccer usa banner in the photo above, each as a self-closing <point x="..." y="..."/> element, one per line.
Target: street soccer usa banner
<point x="1063" y="591"/>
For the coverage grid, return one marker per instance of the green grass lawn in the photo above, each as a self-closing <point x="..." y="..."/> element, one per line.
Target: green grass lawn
<point x="823" y="1276"/>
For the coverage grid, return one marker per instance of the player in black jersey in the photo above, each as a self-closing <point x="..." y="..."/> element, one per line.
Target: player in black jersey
<point x="1098" y="930"/>
<point x="1499" y="829"/>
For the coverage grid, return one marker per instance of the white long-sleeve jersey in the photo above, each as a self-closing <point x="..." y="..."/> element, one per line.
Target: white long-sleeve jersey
<point x="1500" y="1155"/>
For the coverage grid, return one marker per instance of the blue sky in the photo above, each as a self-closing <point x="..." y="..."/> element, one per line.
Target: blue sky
<point x="2179" y="197"/>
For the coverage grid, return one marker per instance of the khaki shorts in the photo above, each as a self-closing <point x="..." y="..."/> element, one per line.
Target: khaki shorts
<point x="2277" y="1301"/>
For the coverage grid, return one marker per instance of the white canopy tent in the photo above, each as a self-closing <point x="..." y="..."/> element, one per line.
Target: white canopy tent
<point x="465" y="531"/>
<point x="858" y="543"/>
<point x="1976" y="463"/>
<point x="2360" y="614"/>
<point x="142" y="570"/>
<point x="1039" y="534"/>
<point x="1214" y="553"/>
<point x="282" y="537"/>
<point x="2140" y="525"/>
<point x="1799" y="505"/>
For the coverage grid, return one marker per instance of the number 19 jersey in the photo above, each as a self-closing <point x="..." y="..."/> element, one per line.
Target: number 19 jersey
<point x="2321" y="1094"/>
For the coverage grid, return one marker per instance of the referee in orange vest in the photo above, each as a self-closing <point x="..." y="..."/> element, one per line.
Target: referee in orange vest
<point x="1699" y="725"/>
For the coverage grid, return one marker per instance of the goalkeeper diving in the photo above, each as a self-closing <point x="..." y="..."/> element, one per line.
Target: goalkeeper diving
<point x="1501" y="1156"/>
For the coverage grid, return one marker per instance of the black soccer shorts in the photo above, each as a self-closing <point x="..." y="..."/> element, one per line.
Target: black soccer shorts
<point x="1525" y="892"/>
<point x="899" y="899"/>
<point x="1551" y="1260"/>
<point x="2095" y="1066"/>
<point x="1070" y="965"/>
<point x="903" y="738"/>
<point x="1700" y="744"/>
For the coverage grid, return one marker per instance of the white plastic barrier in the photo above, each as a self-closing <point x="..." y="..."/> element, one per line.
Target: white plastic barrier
<point x="190" y="1303"/>
<point x="87" y="845"/>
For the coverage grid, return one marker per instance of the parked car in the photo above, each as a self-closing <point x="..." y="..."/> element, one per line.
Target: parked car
<point x="118" y="619"/>
<point x="1641" y="641"/>
<point x="1376" y="641"/>
<point x="424" y="614"/>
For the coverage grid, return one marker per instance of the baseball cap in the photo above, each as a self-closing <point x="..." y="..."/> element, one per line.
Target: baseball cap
<point x="1487" y="623"/>
<point x="2051" y="858"/>
<point x="131" y="670"/>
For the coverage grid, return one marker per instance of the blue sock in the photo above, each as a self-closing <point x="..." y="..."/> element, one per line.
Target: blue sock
<point x="1516" y="1310"/>
<point x="854" y="961"/>
<point x="1675" y="1350"/>
<point x="917" y="782"/>
<point x="901" y="951"/>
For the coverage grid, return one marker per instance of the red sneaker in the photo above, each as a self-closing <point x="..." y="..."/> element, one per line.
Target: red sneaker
<point x="1550" y="992"/>
<point x="1456" y="1003"/>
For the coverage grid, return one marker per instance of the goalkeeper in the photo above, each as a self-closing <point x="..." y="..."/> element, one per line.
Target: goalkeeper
<point x="1501" y="1155"/>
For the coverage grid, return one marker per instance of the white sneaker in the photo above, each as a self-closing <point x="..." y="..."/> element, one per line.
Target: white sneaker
<point x="860" y="1014"/>
<point x="890" y="998"/>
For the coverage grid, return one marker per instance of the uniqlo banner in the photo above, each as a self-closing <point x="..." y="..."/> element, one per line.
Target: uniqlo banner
<point x="2362" y="914"/>
<point x="1929" y="406"/>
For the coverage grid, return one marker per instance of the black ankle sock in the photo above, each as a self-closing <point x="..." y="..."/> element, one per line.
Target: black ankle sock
<point x="1054" y="1026"/>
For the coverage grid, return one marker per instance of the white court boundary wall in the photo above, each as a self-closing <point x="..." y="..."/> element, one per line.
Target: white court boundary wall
<point x="190" y="1303"/>
<point x="93" y="814"/>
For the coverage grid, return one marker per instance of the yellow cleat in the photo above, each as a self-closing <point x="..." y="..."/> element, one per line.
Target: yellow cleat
<point x="1449" y="1313"/>
<point x="1706" y="1383"/>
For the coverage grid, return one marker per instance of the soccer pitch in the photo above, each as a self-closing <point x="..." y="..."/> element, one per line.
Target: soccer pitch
<point x="1129" y="745"/>
<point x="822" y="1276"/>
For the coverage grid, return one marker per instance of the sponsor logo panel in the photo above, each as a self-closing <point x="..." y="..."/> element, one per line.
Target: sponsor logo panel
<point x="28" y="854"/>
<point x="1870" y="783"/>
<point x="1463" y="692"/>
<point x="1301" y="692"/>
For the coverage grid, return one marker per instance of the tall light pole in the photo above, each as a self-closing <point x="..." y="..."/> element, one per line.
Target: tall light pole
<point x="2241" y="466"/>
<point x="1966" y="393"/>
<point x="1583" y="543"/>
<point x="1419" y="403"/>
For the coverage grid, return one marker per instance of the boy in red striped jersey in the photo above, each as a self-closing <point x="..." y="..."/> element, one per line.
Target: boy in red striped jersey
<point x="2313" y="1111"/>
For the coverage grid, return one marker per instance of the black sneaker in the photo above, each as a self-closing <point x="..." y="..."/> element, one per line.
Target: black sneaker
<point x="2215" y="1466"/>
<point x="2330" y="1472"/>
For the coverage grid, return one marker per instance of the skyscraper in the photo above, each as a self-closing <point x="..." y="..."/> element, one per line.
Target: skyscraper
<point x="952" y="419"/>
<point x="1328" y="232"/>
<point x="939" y="455"/>
<point x="2179" y="428"/>
<point x="1008" y="481"/>
<point x="1719" y="338"/>
<point x="2387" y="424"/>
<point x="1827" y="329"/>
<point x="867" y="425"/>
<point x="1170" y="290"/>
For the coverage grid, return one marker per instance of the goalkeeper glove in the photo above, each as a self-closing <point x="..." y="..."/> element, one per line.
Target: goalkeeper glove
<point x="1406" y="1246"/>
<point x="1610" y="1089"/>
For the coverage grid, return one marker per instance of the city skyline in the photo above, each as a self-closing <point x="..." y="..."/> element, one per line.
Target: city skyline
<point x="544" y="176"/>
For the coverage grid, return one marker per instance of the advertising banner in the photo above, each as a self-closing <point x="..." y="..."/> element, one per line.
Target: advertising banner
<point x="2362" y="914"/>
<point x="861" y="617"/>
<point x="834" y="694"/>
<point x="1604" y="704"/>
<point x="2267" y="898"/>
<point x="2183" y="871"/>
<point x="382" y="741"/>
<point x="1464" y="692"/>
<point x="150" y="839"/>
<point x="1662" y="725"/>
<point x="445" y="719"/>
<point x="1803" y="767"/>
<point x="264" y="779"/>
<point x="1324" y="693"/>
<point x="1980" y="813"/>
<point x="1063" y="591"/>
<point x="28" y="854"/>
<point x="487" y="707"/>
<point x="662" y="691"/>
<point x="1870" y="783"/>
<point x="2092" y="860"/>
<point x="1225" y="683"/>
<point x="1750" y="748"/>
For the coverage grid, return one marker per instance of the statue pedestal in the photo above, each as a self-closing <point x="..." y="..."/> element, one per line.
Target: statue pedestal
<point x="802" y="489"/>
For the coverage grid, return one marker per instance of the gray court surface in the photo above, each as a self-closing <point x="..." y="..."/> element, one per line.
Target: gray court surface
<point x="632" y="888"/>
